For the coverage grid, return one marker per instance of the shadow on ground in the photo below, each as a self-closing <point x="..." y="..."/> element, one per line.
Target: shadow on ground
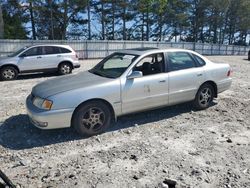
<point x="36" y="75"/>
<point x="17" y="133"/>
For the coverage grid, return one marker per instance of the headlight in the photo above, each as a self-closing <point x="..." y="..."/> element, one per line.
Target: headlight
<point x="42" y="103"/>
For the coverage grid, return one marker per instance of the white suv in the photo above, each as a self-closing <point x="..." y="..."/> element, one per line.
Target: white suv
<point x="39" y="58"/>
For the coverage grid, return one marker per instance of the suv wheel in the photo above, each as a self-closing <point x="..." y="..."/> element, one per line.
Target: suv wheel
<point x="92" y="118"/>
<point x="65" y="68"/>
<point x="204" y="97"/>
<point x="8" y="73"/>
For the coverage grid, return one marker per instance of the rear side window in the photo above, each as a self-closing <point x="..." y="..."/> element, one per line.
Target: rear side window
<point x="199" y="60"/>
<point x="32" y="52"/>
<point x="180" y="61"/>
<point x="48" y="50"/>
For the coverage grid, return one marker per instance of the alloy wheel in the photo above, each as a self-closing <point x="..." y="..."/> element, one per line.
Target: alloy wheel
<point x="205" y="96"/>
<point x="65" y="69"/>
<point x="9" y="74"/>
<point x="93" y="119"/>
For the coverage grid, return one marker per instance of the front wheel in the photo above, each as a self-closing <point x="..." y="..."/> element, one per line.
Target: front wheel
<point x="204" y="97"/>
<point x="65" y="68"/>
<point x="92" y="118"/>
<point x="8" y="73"/>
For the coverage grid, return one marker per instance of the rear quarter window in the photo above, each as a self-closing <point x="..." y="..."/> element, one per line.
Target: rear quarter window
<point x="199" y="60"/>
<point x="65" y="50"/>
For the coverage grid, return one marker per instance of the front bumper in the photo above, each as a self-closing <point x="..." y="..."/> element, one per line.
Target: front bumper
<point x="52" y="119"/>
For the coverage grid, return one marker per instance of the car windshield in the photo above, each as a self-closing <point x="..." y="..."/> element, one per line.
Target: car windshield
<point x="18" y="52"/>
<point x="114" y="65"/>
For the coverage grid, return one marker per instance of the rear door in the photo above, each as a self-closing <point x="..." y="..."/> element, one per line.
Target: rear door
<point x="49" y="57"/>
<point x="185" y="77"/>
<point x="30" y="59"/>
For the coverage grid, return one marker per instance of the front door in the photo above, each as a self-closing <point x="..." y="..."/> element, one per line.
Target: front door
<point x="30" y="59"/>
<point x="148" y="91"/>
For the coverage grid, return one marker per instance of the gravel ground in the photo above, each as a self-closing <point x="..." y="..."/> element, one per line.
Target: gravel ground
<point x="209" y="148"/>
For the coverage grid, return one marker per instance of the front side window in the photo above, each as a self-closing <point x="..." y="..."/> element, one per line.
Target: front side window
<point x="17" y="52"/>
<point x="180" y="61"/>
<point x="114" y="65"/>
<point x="151" y="64"/>
<point x="32" y="52"/>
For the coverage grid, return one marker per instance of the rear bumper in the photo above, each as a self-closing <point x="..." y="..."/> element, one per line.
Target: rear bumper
<point x="51" y="119"/>
<point x="77" y="66"/>
<point x="224" y="85"/>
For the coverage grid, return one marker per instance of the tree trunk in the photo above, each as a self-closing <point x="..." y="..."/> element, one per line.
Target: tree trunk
<point x="1" y="24"/>
<point x="51" y="21"/>
<point x="160" y="28"/>
<point x="147" y="34"/>
<point x="142" y="27"/>
<point x="113" y="21"/>
<point x="65" y="19"/>
<point x="32" y="21"/>
<point x="103" y="23"/>
<point x="89" y="21"/>
<point x="124" y="23"/>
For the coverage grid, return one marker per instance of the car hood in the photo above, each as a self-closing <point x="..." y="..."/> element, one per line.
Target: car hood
<point x="66" y="83"/>
<point x="7" y="59"/>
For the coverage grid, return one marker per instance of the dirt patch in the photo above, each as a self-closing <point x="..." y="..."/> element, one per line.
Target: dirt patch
<point x="173" y="146"/>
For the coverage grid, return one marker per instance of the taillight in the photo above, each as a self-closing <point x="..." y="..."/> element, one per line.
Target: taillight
<point x="76" y="56"/>
<point x="229" y="73"/>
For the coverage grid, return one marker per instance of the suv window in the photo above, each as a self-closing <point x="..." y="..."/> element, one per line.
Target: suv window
<point x="32" y="52"/>
<point x="64" y="50"/>
<point x="54" y="50"/>
<point x="151" y="64"/>
<point x="199" y="60"/>
<point x="179" y="61"/>
<point x="48" y="50"/>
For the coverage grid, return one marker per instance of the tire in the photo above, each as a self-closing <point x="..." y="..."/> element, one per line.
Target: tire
<point x="65" y="68"/>
<point x="204" y="97"/>
<point x="92" y="118"/>
<point x="8" y="73"/>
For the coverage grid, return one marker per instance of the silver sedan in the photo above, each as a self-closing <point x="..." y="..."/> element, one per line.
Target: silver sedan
<point x="125" y="82"/>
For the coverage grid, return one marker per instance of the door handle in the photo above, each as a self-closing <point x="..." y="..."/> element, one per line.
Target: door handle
<point x="200" y="74"/>
<point x="38" y="57"/>
<point x="162" y="81"/>
<point x="59" y="56"/>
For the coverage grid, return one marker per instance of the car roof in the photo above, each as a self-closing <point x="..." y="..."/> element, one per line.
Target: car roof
<point x="149" y="50"/>
<point x="56" y="45"/>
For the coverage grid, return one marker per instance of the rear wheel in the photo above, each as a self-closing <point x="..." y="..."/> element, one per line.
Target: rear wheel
<point x="204" y="97"/>
<point x="92" y="118"/>
<point x="65" y="68"/>
<point x="8" y="73"/>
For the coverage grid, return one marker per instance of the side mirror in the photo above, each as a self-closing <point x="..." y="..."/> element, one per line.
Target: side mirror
<point x="135" y="74"/>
